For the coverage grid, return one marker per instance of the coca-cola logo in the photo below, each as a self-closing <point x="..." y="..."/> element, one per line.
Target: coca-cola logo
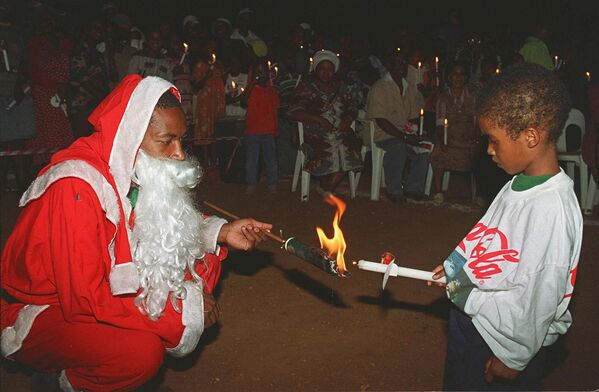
<point x="484" y="263"/>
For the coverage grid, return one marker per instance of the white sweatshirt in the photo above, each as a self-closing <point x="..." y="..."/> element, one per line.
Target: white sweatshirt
<point x="514" y="272"/>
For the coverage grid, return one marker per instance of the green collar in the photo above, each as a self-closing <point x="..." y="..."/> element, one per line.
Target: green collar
<point x="522" y="182"/>
<point x="133" y="193"/>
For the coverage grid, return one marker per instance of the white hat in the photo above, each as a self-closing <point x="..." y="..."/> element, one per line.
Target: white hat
<point x="327" y="55"/>
<point x="190" y="19"/>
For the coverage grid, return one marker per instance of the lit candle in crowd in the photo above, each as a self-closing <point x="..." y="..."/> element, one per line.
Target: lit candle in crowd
<point x="421" y="130"/>
<point x="269" y="64"/>
<point x="213" y="61"/>
<point x="588" y="74"/>
<point x="185" y="51"/>
<point x="399" y="49"/>
<point x="555" y="62"/>
<point x="445" y="131"/>
<point x="241" y="90"/>
<point x="337" y="54"/>
<point x="301" y="46"/>
<point x="419" y="72"/>
<point x="437" y="69"/>
<point x="497" y="71"/>
<point x="233" y="85"/>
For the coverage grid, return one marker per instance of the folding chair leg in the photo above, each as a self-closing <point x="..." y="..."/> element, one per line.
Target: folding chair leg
<point x="296" y="171"/>
<point x="305" y="188"/>
<point x="352" y="183"/>
<point x="584" y="183"/>
<point x="429" y="180"/>
<point x="592" y="194"/>
<point x="445" y="184"/>
<point x="473" y="186"/>
<point x="377" y="173"/>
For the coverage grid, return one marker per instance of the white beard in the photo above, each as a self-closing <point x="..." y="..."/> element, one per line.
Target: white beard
<point x="165" y="236"/>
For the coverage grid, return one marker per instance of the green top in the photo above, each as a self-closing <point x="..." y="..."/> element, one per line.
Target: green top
<point x="523" y="182"/>
<point x="133" y="193"/>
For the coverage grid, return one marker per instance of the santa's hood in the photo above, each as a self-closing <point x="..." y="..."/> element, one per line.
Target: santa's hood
<point x="105" y="160"/>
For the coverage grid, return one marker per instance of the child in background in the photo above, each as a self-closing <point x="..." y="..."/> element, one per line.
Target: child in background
<point x="262" y="103"/>
<point x="511" y="278"/>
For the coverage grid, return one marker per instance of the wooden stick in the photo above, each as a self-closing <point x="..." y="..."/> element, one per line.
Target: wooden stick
<point x="232" y="216"/>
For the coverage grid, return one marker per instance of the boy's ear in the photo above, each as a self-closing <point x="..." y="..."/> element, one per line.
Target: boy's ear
<point x="532" y="137"/>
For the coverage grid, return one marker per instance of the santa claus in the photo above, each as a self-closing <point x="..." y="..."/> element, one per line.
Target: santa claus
<point x="110" y="264"/>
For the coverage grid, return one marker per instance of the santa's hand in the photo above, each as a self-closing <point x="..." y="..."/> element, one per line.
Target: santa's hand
<point x="243" y="234"/>
<point x="211" y="310"/>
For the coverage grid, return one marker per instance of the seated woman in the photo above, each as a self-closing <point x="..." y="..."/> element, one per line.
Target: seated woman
<point x="327" y="107"/>
<point x="456" y="104"/>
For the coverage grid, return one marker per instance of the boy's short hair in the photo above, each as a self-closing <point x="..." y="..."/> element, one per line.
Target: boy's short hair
<point x="525" y="96"/>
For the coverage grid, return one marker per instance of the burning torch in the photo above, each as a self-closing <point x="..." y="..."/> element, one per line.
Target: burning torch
<point x="315" y="256"/>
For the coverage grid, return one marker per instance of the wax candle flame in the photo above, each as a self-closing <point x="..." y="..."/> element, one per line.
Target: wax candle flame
<point x="213" y="58"/>
<point x="269" y="63"/>
<point x="422" y="112"/>
<point x="497" y="71"/>
<point x="445" y="122"/>
<point x="335" y="245"/>
<point x="588" y="74"/>
<point x="233" y="85"/>
<point x="185" y="46"/>
<point x="398" y="49"/>
<point x="436" y="59"/>
<point x="419" y="65"/>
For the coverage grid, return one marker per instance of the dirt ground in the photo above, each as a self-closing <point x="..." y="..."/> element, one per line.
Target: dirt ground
<point x="288" y="326"/>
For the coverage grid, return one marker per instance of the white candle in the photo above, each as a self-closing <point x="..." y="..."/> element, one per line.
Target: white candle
<point x="555" y="60"/>
<point x="419" y="72"/>
<point x="445" y="131"/>
<point x="437" y="69"/>
<point x="588" y="74"/>
<point x="399" y="271"/>
<point x="185" y="49"/>
<point x="5" y="55"/>
<point x="421" y="121"/>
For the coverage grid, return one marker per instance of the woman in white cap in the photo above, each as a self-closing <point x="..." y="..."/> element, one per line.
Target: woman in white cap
<point x="327" y="107"/>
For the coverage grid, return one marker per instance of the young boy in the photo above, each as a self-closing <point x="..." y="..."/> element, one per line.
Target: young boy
<point x="511" y="278"/>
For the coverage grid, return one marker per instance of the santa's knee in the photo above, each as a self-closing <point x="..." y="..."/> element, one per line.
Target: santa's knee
<point x="143" y="358"/>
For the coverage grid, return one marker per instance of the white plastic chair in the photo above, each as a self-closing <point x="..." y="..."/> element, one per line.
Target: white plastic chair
<point x="378" y="171"/>
<point x="299" y="166"/>
<point x="573" y="159"/>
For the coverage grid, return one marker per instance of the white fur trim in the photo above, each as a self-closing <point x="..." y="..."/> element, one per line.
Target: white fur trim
<point x="209" y="233"/>
<point x="130" y="133"/>
<point x="64" y="383"/>
<point x="13" y="336"/>
<point x="124" y="279"/>
<point x="192" y="318"/>
<point x="83" y="171"/>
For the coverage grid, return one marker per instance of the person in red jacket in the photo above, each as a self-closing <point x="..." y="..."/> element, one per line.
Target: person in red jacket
<point x="262" y="102"/>
<point x="110" y="264"/>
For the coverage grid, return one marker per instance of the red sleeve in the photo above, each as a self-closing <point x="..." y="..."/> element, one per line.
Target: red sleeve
<point x="79" y="264"/>
<point x="209" y="268"/>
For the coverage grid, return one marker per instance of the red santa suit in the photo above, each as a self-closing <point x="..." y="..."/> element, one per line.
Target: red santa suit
<point x="68" y="278"/>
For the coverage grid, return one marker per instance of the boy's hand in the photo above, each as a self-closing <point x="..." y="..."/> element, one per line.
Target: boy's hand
<point x="438" y="273"/>
<point x="495" y="370"/>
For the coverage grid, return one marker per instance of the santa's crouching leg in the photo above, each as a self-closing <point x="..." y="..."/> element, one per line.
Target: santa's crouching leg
<point x="91" y="356"/>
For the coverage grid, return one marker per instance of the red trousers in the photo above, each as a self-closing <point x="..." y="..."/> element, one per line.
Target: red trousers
<point x="96" y="357"/>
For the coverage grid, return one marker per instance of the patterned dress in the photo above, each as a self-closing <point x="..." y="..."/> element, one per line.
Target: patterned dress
<point x="335" y="151"/>
<point x="462" y="135"/>
<point x="209" y="104"/>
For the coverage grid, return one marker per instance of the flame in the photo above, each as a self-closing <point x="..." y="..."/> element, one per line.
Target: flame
<point x="233" y="84"/>
<point x="419" y="64"/>
<point x="213" y="58"/>
<point x="336" y="244"/>
<point x="185" y="46"/>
